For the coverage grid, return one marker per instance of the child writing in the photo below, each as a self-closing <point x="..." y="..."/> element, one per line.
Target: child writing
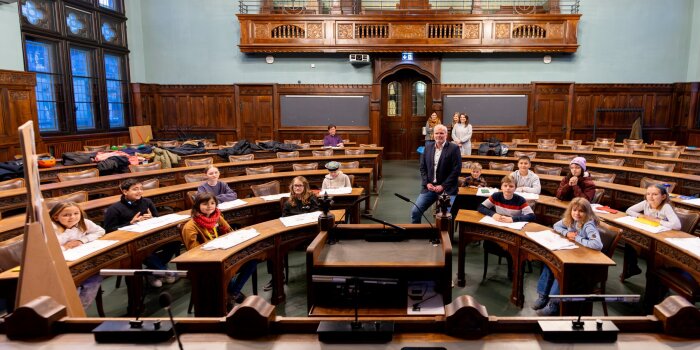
<point x="579" y="224"/>
<point x="73" y="229"/>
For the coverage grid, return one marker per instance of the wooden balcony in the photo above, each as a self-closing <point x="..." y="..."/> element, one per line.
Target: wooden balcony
<point x="397" y="32"/>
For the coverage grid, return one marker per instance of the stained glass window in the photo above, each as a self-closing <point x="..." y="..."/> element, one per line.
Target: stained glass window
<point x="418" y="98"/>
<point x="41" y="60"/>
<point x="108" y="32"/>
<point x="115" y="90"/>
<point x="110" y="4"/>
<point x="74" y="24"/>
<point x="393" y="107"/>
<point x="83" y="95"/>
<point x="33" y="14"/>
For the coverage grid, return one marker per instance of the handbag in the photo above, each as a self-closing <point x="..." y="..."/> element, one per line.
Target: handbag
<point x="425" y="131"/>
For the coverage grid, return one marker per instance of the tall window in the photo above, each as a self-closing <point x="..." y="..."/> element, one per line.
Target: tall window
<point x="81" y="67"/>
<point x="393" y="107"/>
<point x="418" y="98"/>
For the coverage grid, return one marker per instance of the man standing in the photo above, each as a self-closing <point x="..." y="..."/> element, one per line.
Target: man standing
<point x="440" y="165"/>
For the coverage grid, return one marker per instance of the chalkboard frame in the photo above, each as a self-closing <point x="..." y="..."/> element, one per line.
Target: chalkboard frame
<point x="297" y="110"/>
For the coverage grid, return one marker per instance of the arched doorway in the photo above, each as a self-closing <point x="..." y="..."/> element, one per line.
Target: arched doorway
<point x="405" y="107"/>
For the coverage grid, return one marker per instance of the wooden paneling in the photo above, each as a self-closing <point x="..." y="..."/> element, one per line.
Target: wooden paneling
<point x="17" y="106"/>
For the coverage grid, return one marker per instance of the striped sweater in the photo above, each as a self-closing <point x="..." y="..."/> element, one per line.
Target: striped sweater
<point x="516" y="207"/>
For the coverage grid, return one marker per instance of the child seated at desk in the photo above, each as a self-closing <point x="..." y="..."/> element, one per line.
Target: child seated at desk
<point x="475" y="179"/>
<point x="525" y="179"/>
<point x="335" y="177"/>
<point x="73" y="229"/>
<point x="301" y="199"/>
<point x="220" y="189"/>
<point x="208" y="223"/>
<point x="133" y="208"/>
<point x="507" y="206"/>
<point x="578" y="183"/>
<point x="656" y="208"/>
<point x="579" y="224"/>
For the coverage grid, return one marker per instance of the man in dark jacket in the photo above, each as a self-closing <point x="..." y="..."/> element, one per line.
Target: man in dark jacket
<point x="440" y="166"/>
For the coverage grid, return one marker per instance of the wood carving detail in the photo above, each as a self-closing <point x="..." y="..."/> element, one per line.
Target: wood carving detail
<point x="555" y="30"/>
<point x="407" y="31"/>
<point x="262" y="31"/>
<point x="636" y="238"/>
<point x="314" y="31"/>
<point x="98" y="260"/>
<point x="542" y="252"/>
<point x="17" y="78"/>
<point x="345" y="31"/>
<point x="19" y="95"/>
<point x="503" y="31"/>
<point x="678" y="256"/>
<point x="247" y="252"/>
<point x="472" y="31"/>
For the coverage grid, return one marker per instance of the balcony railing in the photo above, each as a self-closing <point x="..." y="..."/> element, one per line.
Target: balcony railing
<point x="385" y="7"/>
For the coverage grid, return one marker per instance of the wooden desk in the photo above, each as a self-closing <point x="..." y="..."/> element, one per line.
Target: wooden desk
<point x="413" y="259"/>
<point x="210" y="271"/>
<point x="648" y="149"/>
<point x="575" y="269"/>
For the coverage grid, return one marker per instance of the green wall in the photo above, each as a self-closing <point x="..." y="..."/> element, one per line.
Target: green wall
<point x="10" y="38"/>
<point x="694" y="51"/>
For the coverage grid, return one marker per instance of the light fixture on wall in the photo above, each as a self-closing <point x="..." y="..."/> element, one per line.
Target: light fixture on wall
<point x="547" y="59"/>
<point x="270" y="59"/>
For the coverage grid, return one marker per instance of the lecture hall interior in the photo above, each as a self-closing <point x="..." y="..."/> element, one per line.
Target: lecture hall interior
<point x="149" y="105"/>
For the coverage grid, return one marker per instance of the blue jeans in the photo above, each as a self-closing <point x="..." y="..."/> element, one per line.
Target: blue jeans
<point x="424" y="201"/>
<point x="237" y="282"/>
<point x="159" y="259"/>
<point x="547" y="285"/>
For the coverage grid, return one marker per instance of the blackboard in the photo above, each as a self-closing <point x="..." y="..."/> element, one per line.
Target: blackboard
<point x="313" y="110"/>
<point x="487" y="109"/>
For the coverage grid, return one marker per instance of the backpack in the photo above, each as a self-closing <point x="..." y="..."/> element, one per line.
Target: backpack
<point x="492" y="147"/>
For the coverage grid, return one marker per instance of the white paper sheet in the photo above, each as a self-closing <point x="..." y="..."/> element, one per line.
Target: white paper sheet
<point x="154" y="223"/>
<point x="514" y="225"/>
<point x="486" y="191"/>
<point x="332" y="191"/>
<point x="232" y="239"/>
<point x="694" y="201"/>
<point x="301" y="219"/>
<point x="632" y="221"/>
<point x="529" y="196"/>
<point x="231" y="204"/>
<point x="551" y="240"/>
<point x="275" y="197"/>
<point x="691" y="244"/>
<point x="87" y="249"/>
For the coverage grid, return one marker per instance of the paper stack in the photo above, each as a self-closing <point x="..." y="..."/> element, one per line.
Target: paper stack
<point x="150" y="224"/>
<point x="332" y="191"/>
<point x="514" y="225"/>
<point x="87" y="249"/>
<point x="551" y="240"/>
<point x="232" y="204"/>
<point x="301" y="219"/>
<point x="232" y="239"/>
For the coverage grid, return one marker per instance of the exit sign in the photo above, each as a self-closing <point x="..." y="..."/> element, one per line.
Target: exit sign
<point x="407" y="56"/>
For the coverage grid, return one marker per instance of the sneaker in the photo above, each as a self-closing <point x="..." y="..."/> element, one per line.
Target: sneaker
<point x="552" y="309"/>
<point x="541" y="302"/>
<point x="155" y="282"/>
<point x="170" y="279"/>
<point x="268" y="286"/>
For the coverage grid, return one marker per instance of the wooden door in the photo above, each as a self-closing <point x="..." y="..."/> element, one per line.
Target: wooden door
<point x="552" y="110"/>
<point x="255" y="108"/>
<point x="405" y="109"/>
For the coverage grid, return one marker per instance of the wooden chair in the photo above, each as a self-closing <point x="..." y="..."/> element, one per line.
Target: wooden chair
<point x="352" y="179"/>
<point x="354" y="152"/>
<point x="19" y="156"/>
<point x="190" y="197"/>
<point x="689" y="219"/>
<point x="547" y="146"/>
<point x="610" y="161"/>
<point x="145" y="167"/>
<point x="566" y="157"/>
<point x="365" y="145"/>
<point x="572" y="142"/>
<point x="316" y="141"/>
<point x="100" y="148"/>
<point x="10" y="184"/>
<point x="306" y="166"/>
<point x="241" y="158"/>
<point x="466" y="165"/>
<point x="605" y="139"/>
<point x="305" y="145"/>
<point x="79" y="175"/>
<point x="132" y="145"/>
<point x="77" y="197"/>
<point x="231" y="143"/>
<point x="632" y="141"/>
<point x="647" y="181"/>
<point x="260" y="170"/>
<point x="679" y="149"/>
<point x="546" y="141"/>
<point x="266" y="189"/>
<point x="667" y="154"/>
<point x="293" y="142"/>
<point x="294" y="154"/>
<point x="586" y="148"/>
<point x="200" y="161"/>
<point x="349" y="165"/>
<point x="259" y="141"/>
<point x="190" y="178"/>
<point x="346" y="140"/>
<point x="603" y="144"/>
<point x="150" y="184"/>
<point x="548" y="170"/>
<point x="530" y="155"/>
<point x="621" y="150"/>
<point x="635" y="146"/>
<point x="604" y="177"/>
<point x="322" y="153"/>
<point x="610" y="237"/>
<point x="519" y="141"/>
<point x="168" y="143"/>
<point x="664" y="143"/>
<point x="598" y="196"/>
<point x="501" y="166"/>
<point x="658" y="166"/>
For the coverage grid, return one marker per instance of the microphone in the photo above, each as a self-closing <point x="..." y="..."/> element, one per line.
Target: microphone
<point x="383" y="222"/>
<point x="331" y="237"/>
<point x="416" y="305"/>
<point x="432" y="241"/>
<point x="164" y="299"/>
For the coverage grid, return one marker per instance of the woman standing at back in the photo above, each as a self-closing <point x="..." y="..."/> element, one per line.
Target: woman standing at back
<point x="462" y="135"/>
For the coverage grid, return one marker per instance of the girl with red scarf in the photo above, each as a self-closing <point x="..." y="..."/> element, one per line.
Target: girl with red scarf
<point x="207" y="224"/>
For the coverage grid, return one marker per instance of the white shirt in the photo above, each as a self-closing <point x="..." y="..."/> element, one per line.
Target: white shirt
<point x="436" y="158"/>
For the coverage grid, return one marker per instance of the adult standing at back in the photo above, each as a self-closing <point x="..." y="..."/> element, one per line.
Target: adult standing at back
<point x="332" y="139"/>
<point x="440" y="166"/>
<point x="430" y="126"/>
<point x="462" y="134"/>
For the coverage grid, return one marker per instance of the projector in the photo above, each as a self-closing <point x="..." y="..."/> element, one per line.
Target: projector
<point x="359" y="58"/>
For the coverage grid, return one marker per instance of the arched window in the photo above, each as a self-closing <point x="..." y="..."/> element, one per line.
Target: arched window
<point x="418" y="97"/>
<point x="393" y="106"/>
